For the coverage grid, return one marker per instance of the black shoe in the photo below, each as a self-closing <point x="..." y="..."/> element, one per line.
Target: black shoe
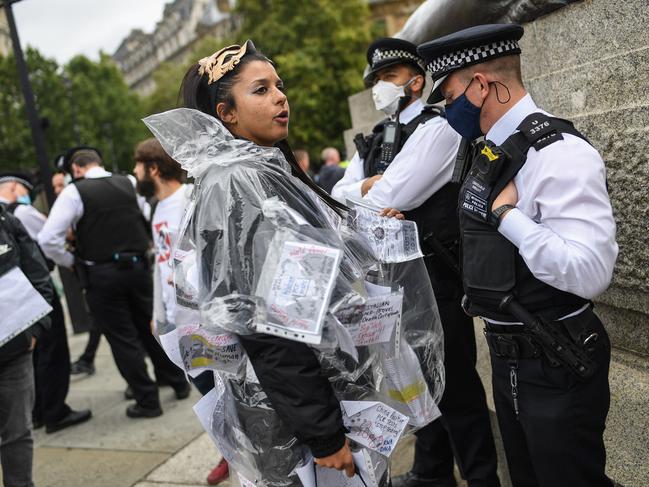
<point x="82" y="367"/>
<point x="129" y="394"/>
<point x="413" y="480"/>
<point x="137" y="411"/>
<point x="183" y="392"/>
<point x="72" y="418"/>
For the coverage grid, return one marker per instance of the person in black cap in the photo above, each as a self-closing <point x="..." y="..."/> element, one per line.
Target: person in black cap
<point x="51" y="354"/>
<point x="538" y="244"/>
<point x="412" y="172"/>
<point x="110" y="258"/>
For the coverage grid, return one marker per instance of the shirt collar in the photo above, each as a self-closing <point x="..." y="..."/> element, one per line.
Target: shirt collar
<point x="5" y="201"/>
<point x="96" y="172"/>
<point x="411" y="111"/>
<point x="508" y="123"/>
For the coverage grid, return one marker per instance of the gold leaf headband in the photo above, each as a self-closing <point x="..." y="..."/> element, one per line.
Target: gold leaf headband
<point x="216" y="65"/>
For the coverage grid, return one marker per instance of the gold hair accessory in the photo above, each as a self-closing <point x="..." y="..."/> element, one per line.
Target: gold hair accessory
<point x="217" y="66"/>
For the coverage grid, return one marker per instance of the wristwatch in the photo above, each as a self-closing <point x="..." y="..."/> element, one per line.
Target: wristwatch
<point x="497" y="213"/>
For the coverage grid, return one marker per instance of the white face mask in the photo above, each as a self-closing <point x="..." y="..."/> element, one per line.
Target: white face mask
<point x="386" y="96"/>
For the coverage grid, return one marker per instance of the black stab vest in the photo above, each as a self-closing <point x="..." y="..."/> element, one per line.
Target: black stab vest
<point x="112" y="221"/>
<point x="491" y="265"/>
<point x="436" y="218"/>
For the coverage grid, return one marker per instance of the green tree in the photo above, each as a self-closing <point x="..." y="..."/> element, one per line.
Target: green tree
<point x="83" y="102"/>
<point x="319" y="49"/>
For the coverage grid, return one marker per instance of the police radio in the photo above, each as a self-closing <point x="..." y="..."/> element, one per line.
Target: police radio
<point x="389" y="146"/>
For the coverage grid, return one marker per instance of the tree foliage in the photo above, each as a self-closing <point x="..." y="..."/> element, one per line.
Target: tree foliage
<point x="319" y="51"/>
<point x="83" y="102"/>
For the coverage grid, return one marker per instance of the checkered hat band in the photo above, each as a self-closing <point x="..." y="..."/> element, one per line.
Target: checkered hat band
<point x="473" y="55"/>
<point x="16" y="179"/>
<point x="394" y="54"/>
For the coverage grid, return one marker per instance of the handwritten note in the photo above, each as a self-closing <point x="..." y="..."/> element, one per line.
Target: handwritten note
<point x="374" y="321"/>
<point x="202" y="349"/>
<point x="298" y="291"/>
<point x="373" y="424"/>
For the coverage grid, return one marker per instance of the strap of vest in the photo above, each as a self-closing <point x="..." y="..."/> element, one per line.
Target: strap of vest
<point x="11" y="207"/>
<point x="537" y="130"/>
<point x="429" y="112"/>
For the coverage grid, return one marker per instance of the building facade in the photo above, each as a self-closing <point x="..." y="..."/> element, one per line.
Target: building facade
<point x="183" y="23"/>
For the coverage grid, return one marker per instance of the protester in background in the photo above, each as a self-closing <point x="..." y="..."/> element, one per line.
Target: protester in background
<point x="330" y="172"/>
<point x="303" y="160"/>
<point x="110" y="258"/>
<point x="159" y="176"/>
<point x="19" y="256"/>
<point x="51" y="355"/>
<point x="58" y="182"/>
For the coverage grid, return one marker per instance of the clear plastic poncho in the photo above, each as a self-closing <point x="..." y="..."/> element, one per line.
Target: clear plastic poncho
<point x="261" y="264"/>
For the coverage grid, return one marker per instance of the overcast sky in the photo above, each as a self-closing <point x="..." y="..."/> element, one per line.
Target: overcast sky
<point x="64" y="28"/>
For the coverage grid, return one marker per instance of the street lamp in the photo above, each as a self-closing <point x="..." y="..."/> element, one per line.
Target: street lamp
<point x="30" y="106"/>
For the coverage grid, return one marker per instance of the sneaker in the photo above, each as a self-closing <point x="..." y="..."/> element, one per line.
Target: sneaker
<point x="220" y="473"/>
<point x="82" y="367"/>
<point x="137" y="411"/>
<point x="72" y="418"/>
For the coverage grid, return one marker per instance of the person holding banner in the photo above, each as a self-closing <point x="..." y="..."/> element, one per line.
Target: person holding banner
<point x="311" y="314"/>
<point x="25" y="296"/>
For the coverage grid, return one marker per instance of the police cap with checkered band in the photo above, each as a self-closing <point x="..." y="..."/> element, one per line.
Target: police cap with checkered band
<point x="467" y="47"/>
<point x="389" y="51"/>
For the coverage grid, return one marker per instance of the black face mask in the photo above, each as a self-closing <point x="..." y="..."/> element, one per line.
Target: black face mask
<point x="145" y="187"/>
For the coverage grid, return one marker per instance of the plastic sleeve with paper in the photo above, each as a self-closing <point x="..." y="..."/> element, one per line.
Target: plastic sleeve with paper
<point x="291" y="307"/>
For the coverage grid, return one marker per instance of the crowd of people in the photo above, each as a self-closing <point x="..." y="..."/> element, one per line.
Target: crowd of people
<point x="324" y="316"/>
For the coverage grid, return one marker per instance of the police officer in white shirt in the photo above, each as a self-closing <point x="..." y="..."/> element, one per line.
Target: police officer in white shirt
<point x="407" y="164"/>
<point x="110" y="256"/>
<point x="538" y="243"/>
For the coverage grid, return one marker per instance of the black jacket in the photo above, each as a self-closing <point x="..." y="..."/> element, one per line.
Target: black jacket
<point x="21" y="251"/>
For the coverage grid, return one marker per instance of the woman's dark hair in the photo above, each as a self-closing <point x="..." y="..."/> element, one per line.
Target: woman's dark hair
<point x="200" y="95"/>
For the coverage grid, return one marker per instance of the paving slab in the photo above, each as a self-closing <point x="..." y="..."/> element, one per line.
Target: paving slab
<point x="58" y="467"/>
<point x="190" y="466"/>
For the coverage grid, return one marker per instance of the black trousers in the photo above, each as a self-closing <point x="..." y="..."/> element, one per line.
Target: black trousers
<point x="464" y="430"/>
<point x="121" y="303"/>
<point x="52" y="369"/>
<point x="557" y="440"/>
<point x="94" y="336"/>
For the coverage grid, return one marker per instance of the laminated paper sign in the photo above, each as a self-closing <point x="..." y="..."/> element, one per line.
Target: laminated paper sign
<point x="378" y="318"/>
<point x="202" y="349"/>
<point x="391" y="240"/>
<point x="21" y="304"/>
<point x="297" y="290"/>
<point x="373" y="424"/>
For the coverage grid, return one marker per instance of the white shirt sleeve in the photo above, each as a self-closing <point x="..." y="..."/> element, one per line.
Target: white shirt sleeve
<point x="420" y="169"/>
<point x="66" y="212"/>
<point x="351" y="182"/>
<point x="563" y="225"/>
<point x="32" y="219"/>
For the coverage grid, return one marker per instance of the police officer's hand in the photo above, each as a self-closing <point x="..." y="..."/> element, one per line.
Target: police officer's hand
<point x="368" y="183"/>
<point x="508" y="196"/>
<point x="392" y="213"/>
<point x="341" y="460"/>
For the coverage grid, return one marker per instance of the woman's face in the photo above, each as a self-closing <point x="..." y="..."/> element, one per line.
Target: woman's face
<point x="261" y="109"/>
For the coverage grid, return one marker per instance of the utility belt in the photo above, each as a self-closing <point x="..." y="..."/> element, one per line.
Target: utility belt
<point x="564" y="342"/>
<point x="119" y="260"/>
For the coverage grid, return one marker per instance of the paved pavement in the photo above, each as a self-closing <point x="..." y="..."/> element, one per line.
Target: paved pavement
<point x="112" y="450"/>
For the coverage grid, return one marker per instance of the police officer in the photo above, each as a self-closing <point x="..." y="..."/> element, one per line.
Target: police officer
<point x="110" y="256"/>
<point x="407" y="163"/>
<point x="538" y="243"/>
<point x="51" y="355"/>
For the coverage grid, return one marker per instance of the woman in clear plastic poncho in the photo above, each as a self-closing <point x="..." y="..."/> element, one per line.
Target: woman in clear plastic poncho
<point x="263" y="254"/>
